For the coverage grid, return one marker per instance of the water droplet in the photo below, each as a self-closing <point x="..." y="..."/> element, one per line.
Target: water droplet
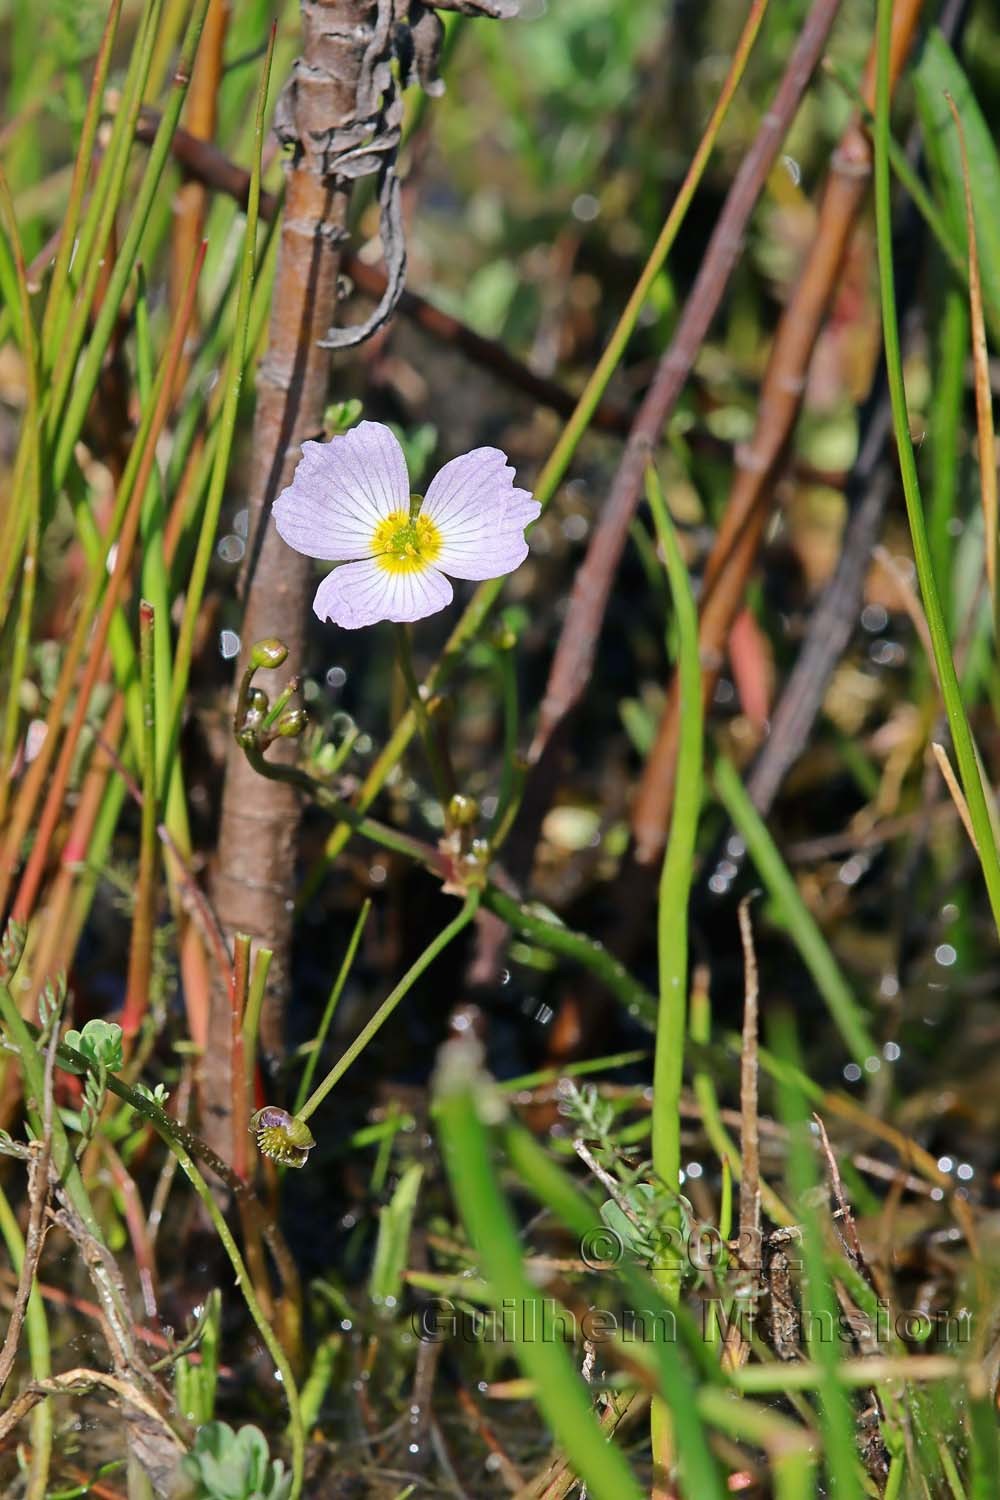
<point x="585" y="208"/>
<point x="874" y="618"/>
<point x="852" y="1072"/>
<point x="231" y="548"/>
<point x="945" y="955"/>
<point x="965" y="1172"/>
<point x="229" y="644"/>
<point x="945" y="1164"/>
<point x="336" y="677"/>
<point x="892" y="1051"/>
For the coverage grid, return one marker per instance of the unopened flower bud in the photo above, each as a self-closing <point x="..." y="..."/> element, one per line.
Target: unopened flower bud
<point x="291" y="723"/>
<point x="462" y="811"/>
<point x="269" y="653"/>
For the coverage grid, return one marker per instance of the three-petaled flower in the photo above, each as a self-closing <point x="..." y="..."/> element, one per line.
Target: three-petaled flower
<point x="349" y="502"/>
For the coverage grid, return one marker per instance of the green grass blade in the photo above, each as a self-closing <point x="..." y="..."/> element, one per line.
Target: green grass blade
<point x="799" y="921"/>
<point x="676" y="1377"/>
<point x="958" y="723"/>
<point x="227" y="425"/>
<point x="559" y="1391"/>
<point x="678" y="862"/>
<point x="821" y="1311"/>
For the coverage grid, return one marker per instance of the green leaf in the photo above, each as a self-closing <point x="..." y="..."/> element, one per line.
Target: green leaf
<point x="100" y="1042"/>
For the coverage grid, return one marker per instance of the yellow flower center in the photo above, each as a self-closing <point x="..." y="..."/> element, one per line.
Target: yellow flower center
<point x="405" y="543"/>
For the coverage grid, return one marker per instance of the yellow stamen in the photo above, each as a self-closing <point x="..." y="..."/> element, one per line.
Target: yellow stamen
<point x="402" y="545"/>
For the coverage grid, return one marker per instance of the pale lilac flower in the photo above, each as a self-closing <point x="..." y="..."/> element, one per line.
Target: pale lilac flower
<point x="350" y="503"/>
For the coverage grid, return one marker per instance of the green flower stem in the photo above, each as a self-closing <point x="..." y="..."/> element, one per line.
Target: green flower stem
<point x="385" y="1010"/>
<point x="486" y="595"/>
<point x="512" y="773"/>
<point x="958" y="723"/>
<point x="418" y="707"/>
<point x="309" y="1070"/>
<point x="548" y="934"/>
<point x="576" y="946"/>
<point x="368" y="828"/>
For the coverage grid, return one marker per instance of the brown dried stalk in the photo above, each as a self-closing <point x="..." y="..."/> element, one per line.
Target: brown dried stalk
<point x="757" y="464"/>
<point x="340" y="117"/>
<point x="574" y="658"/>
<point x="253" y="883"/>
<point x="34" y="1240"/>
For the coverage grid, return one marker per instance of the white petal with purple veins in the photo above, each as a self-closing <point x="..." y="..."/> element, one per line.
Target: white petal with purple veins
<point x="340" y="491"/>
<point x="361" y="593"/>
<point x="480" y="514"/>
